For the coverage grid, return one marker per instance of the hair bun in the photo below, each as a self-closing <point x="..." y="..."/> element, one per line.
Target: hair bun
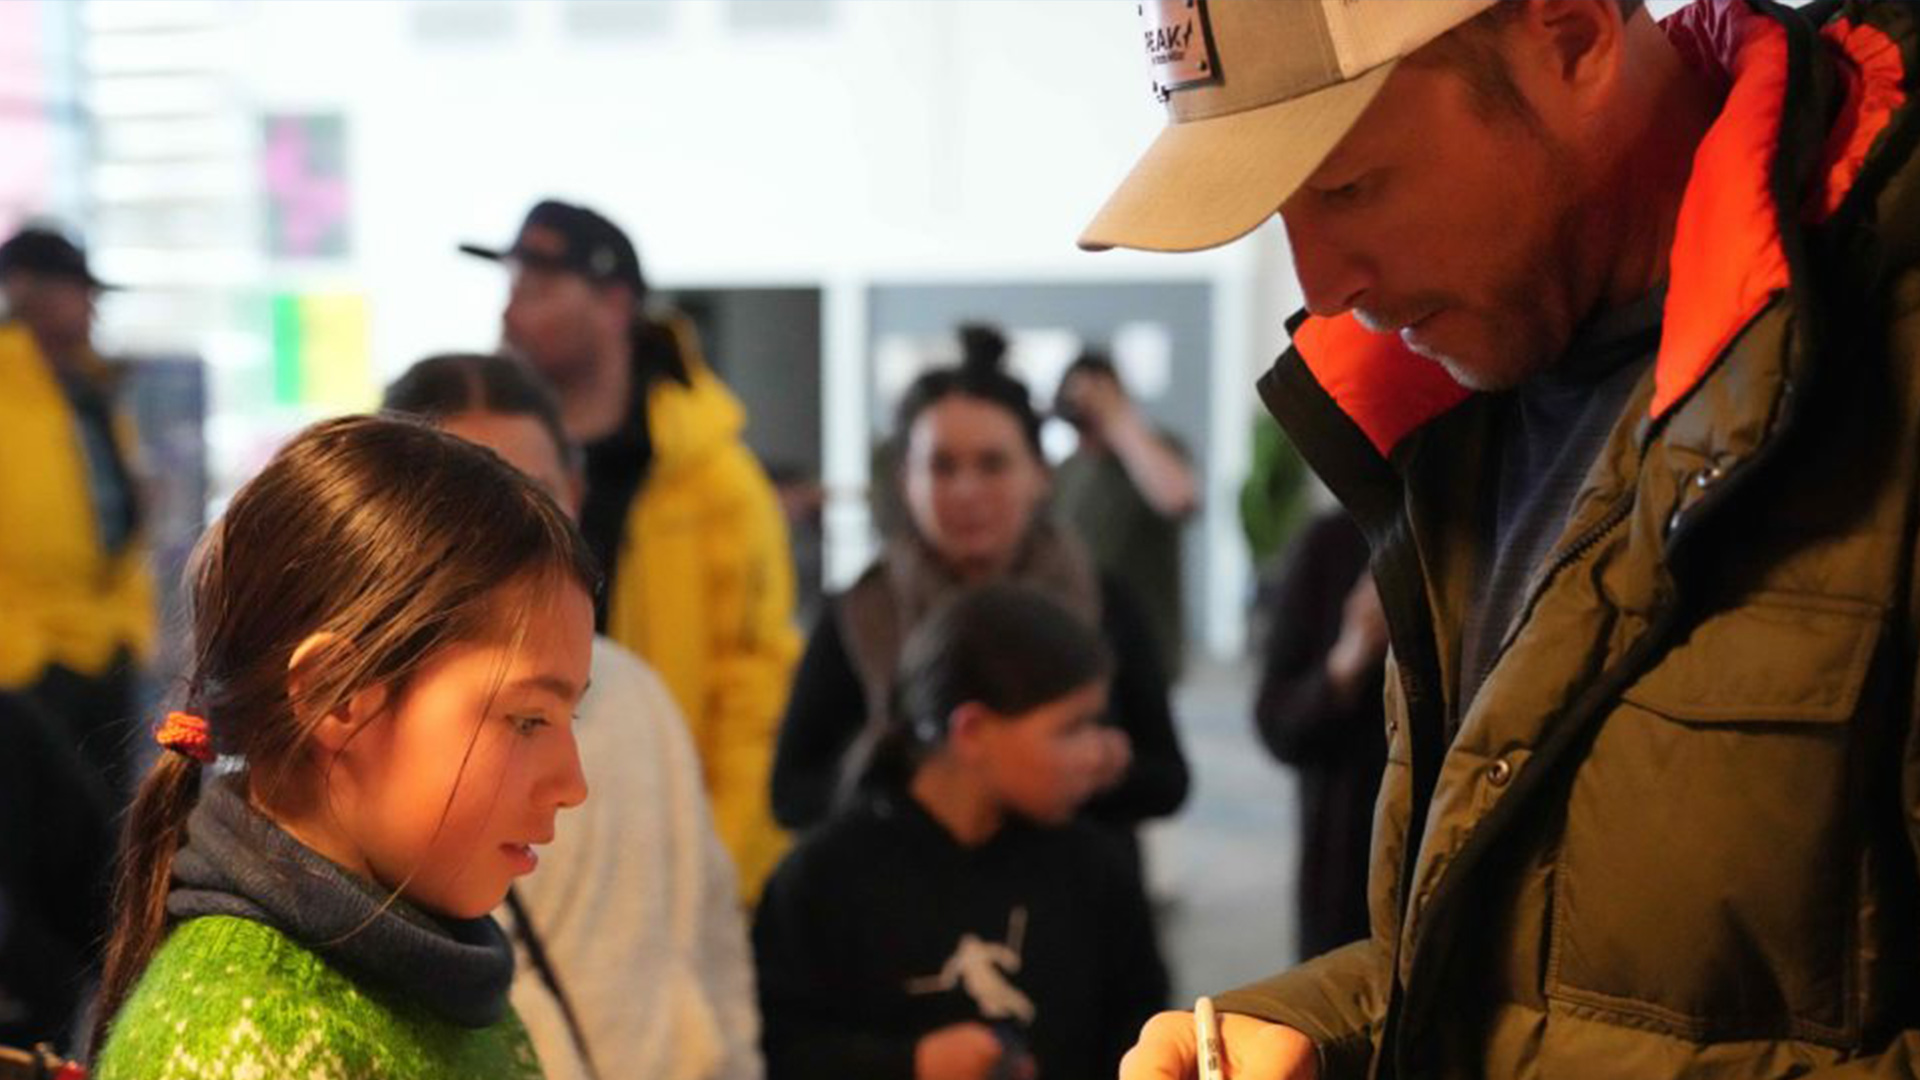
<point x="983" y="349"/>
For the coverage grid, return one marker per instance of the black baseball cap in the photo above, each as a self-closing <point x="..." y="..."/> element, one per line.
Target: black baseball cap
<point x="563" y="236"/>
<point x="44" y="251"/>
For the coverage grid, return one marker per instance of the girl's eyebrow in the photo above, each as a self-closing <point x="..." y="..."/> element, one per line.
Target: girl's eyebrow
<point x="553" y="684"/>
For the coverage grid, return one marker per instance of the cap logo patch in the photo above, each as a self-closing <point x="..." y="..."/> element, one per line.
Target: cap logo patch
<point x="1179" y="45"/>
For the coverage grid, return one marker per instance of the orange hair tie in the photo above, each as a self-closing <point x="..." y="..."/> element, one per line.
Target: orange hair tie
<point x="185" y="733"/>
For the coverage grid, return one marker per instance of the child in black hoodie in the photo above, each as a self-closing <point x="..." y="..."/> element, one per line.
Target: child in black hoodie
<point x="955" y="922"/>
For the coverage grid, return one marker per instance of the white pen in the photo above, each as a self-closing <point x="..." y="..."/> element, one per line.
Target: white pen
<point x="1206" y="1032"/>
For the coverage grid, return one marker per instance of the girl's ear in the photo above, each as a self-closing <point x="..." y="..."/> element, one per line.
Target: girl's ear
<point x="967" y="729"/>
<point x="333" y="731"/>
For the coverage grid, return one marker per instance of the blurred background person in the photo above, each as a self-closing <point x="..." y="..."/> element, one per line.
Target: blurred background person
<point x="958" y="923"/>
<point x="633" y="958"/>
<point x="76" y="592"/>
<point x="1320" y="710"/>
<point x="976" y="487"/>
<point x="699" y="576"/>
<point x="886" y="503"/>
<point x="56" y="848"/>
<point x="1128" y="489"/>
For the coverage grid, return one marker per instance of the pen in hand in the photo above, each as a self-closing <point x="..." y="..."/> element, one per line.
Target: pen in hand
<point x="1206" y="1031"/>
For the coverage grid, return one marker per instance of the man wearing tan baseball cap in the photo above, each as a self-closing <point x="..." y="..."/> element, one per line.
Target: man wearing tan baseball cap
<point x="1612" y="350"/>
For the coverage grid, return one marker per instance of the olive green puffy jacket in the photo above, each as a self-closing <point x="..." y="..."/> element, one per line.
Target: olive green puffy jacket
<point x="1675" y="832"/>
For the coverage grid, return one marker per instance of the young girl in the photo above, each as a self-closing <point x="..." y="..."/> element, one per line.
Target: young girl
<point x="391" y="631"/>
<point x="960" y="923"/>
<point x="632" y="953"/>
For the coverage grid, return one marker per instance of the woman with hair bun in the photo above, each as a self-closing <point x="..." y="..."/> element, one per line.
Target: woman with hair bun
<point x="976" y="485"/>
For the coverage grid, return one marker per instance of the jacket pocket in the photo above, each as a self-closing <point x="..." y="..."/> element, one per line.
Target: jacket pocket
<point x="1706" y="878"/>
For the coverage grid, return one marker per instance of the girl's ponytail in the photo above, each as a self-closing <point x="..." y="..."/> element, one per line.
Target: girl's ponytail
<point x="156" y="824"/>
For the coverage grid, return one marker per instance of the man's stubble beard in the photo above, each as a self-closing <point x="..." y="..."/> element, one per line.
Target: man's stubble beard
<point x="1531" y="321"/>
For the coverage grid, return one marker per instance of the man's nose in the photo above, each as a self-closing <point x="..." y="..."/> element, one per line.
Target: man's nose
<point x="1332" y="278"/>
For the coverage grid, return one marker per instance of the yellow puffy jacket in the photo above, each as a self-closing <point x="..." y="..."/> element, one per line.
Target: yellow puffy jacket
<point x="63" y="599"/>
<point x="704" y="591"/>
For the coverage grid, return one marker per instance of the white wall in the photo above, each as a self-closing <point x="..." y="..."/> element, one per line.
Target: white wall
<point x="942" y="137"/>
<point x="923" y="140"/>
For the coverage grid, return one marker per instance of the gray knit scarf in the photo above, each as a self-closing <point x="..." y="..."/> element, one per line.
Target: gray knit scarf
<point x="238" y="862"/>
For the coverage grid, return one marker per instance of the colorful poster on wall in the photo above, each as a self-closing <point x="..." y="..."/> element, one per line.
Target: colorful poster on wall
<point x="27" y="116"/>
<point x="303" y="166"/>
<point x="321" y="355"/>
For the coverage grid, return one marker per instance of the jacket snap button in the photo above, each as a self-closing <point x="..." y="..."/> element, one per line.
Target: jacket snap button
<point x="1499" y="773"/>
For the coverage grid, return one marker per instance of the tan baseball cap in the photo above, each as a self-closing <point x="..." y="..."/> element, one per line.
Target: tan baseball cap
<point x="1258" y="93"/>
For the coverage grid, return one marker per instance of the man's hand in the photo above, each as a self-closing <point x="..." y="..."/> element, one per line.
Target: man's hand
<point x="1254" y="1049"/>
<point x="1159" y="472"/>
<point x="1362" y="645"/>
<point x="1101" y="402"/>
<point x="1116" y="758"/>
<point x="966" y="1051"/>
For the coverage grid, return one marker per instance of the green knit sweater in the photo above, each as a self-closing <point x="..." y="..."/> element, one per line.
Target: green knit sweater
<point x="227" y="997"/>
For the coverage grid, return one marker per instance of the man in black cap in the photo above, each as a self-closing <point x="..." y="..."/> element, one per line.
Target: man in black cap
<point x="577" y="295"/>
<point x="49" y="287"/>
<point x="681" y="515"/>
<point x="75" y="592"/>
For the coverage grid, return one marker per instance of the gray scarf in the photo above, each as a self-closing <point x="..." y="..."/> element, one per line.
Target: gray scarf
<point x="237" y="862"/>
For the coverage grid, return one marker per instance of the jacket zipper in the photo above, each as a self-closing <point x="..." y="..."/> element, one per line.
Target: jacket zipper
<point x="1616" y="516"/>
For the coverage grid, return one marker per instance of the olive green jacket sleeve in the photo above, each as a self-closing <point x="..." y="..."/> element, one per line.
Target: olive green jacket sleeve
<point x="1337" y="1000"/>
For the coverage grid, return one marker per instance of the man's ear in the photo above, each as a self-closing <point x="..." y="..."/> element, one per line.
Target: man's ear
<point x="332" y="731"/>
<point x="1581" y="40"/>
<point x="615" y="303"/>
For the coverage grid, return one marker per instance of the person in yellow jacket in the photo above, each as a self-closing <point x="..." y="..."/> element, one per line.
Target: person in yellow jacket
<point x="683" y="518"/>
<point x="76" y="592"/>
